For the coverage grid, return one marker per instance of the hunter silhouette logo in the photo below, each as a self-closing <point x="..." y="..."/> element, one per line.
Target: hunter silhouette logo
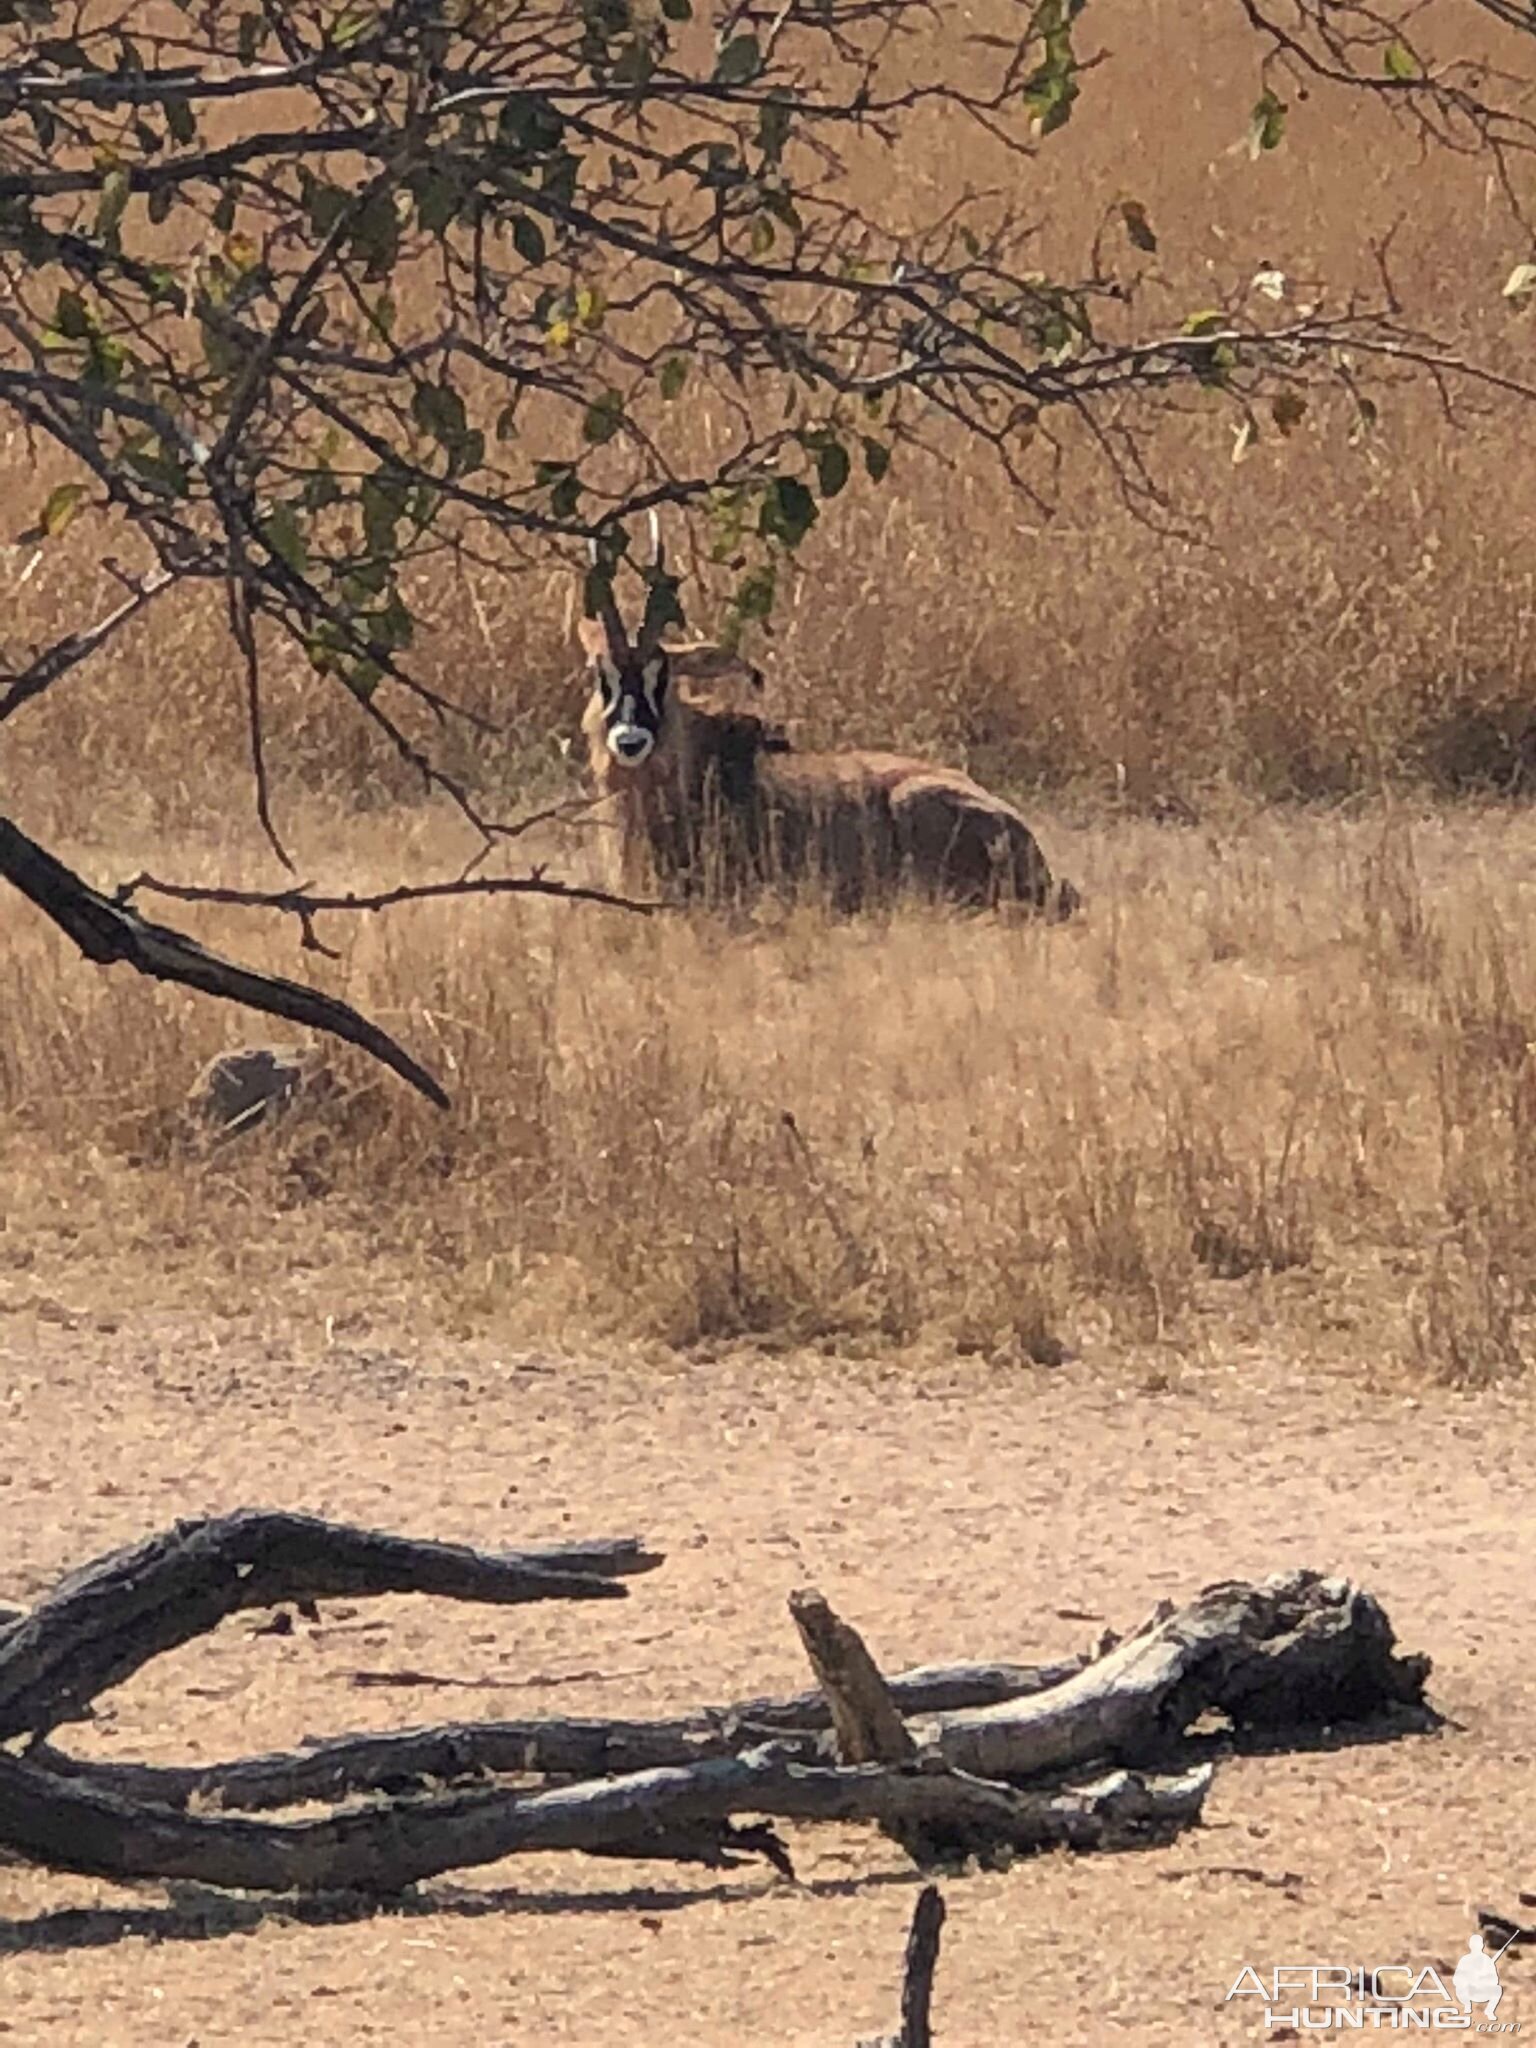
<point x="1408" y="1997"/>
<point x="1476" y="1978"/>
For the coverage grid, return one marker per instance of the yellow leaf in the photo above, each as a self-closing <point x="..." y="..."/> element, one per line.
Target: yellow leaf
<point x="63" y="503"/>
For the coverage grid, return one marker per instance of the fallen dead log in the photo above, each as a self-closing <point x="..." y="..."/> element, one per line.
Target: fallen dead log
<point x="950" y="1763"/>
<point x="102" y="1623"/>
<point x="674" y="1814"/>
<point x="1299" y="1650"/>
<point x="456" y="1752"/>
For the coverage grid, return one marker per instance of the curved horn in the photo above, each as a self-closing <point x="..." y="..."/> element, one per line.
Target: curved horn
<point x="661" y="606"/>
<point x="599" y="602"/>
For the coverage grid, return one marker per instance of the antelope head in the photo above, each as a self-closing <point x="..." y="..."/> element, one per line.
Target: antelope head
<point x="631" y="678"/>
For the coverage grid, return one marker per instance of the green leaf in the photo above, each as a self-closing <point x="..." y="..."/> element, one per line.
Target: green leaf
<point x="604" y="417"/>
<point x="635" y="63"/>
<point x="1051" y="89"/>
<point x="361" y="674"/>
<point x="739" y="62"/>
<point x="782" y="206"/>
<point x="677" y="10"/>
<point x="1266" y="128"/>
<point x="773" y="128"/>
<point x="566" y="495"/>
<point x="162" y="468"/>
<point x="674" y="375"/>
<point x="760" y="241"/>
<point x="224" y="210"/>
<point x="1399" y="62"/>
<point x="181" y="121"/>
<point x="352" y="26"/>
<point x="1204" y="323"/>
<point x="251" y="35"/>
<point x="438" y="199"/>
<point x="324" y="204"/>
<point x="528" y="239"/>
<point x="439" y="411"/>
<point x="382" y="499"/>
<point x="241" y="251"/>
<point x="788" y="511"/>
<point x="1366" y="417"/>
<point x="392" y="626"/>
<point x="877" y="458"/>
<point x="528" y="125"/>
<point x="755" y="592"/>
<point x="364" y="581"/>
<point x="72" y="316"/>
<point x="281" y="531"/>
<point x="60" y="507"/>
<point x="221" y="351"/>
<point x="831" y="467"/>
<point x="1137" y="226"/>
<point x="112" y="205"/>
<point x="320" y="489"/>
<point x="375" y="235"/>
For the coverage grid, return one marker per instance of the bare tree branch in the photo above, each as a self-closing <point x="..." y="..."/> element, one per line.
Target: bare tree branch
<point x="22" y="685"/>
<point x="108" y="932"/>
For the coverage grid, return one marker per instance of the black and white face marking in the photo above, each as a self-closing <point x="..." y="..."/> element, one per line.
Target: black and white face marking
<point x="633" y="697"/>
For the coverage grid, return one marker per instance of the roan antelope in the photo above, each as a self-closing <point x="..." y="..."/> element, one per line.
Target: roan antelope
<point x="706" y="798"/>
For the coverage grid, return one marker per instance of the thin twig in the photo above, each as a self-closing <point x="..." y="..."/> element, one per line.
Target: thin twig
<point x="304" y="903"/>
<point x="73" y="648"/>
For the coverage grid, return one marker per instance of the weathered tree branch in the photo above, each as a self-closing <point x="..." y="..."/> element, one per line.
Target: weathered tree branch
<point x="866" y="1722"/>
<point x="1297" y="1650"/>
<point x="553" y="1747"/>
<point x="664" y="1813"/>
<point x="108" y="932"/>
<point x="922" y="1959"/>
<point x="105" y="1621"/>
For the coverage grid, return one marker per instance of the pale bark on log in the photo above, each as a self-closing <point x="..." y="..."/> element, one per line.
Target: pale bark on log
<point x="551" y="1747"/>
<point x="102" y="1623"/>
<point x="1297" y="1650"/>
<point x="866" y="1722"/>
<point x="386" y="1847"/>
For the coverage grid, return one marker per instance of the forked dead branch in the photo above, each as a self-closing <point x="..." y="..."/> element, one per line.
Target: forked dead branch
<point x="982" y="1761"/>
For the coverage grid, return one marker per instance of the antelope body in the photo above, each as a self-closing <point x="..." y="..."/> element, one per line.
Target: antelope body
<point x="703" y="797"/>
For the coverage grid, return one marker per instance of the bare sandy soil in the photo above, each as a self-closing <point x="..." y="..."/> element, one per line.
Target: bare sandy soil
<point x="978" y="1512"/>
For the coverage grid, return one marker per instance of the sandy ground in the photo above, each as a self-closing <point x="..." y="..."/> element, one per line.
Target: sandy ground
<point x="977" y="1513"/>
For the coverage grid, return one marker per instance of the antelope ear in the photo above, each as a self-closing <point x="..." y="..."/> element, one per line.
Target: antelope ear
<point x="594" y="640"/>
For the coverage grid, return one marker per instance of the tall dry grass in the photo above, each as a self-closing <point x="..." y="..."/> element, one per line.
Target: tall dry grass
<point x="1336" y="610"/>
<point x="1277" y="1086"/>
